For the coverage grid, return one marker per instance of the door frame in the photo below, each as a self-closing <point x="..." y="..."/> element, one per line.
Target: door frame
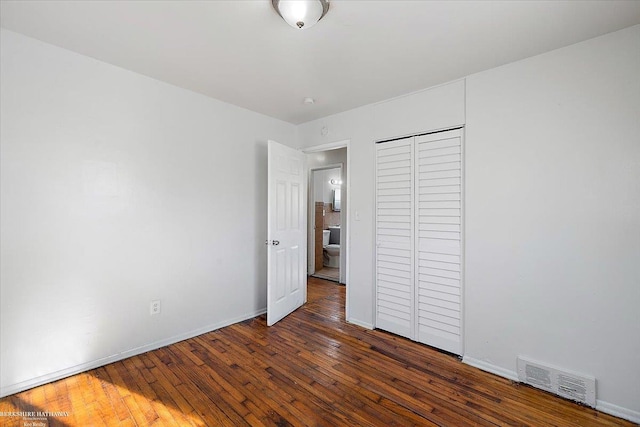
<point x="344" y="214"/>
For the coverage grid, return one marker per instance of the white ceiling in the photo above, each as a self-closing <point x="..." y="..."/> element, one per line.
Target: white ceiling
<point x="243" y="53"/>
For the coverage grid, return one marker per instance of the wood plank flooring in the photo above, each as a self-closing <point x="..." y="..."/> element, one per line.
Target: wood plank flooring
<point x="310" y="369"/>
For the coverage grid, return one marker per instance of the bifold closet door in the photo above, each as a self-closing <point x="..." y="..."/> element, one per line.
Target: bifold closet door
<point x="438" y="251"/>
<point x="395" y="298"/>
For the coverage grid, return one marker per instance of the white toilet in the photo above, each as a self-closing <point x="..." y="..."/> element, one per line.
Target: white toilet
<point x="331" y="247"/>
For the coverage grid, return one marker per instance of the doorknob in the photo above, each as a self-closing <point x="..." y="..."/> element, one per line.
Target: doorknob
<point x="276" y="242"/>
<point x="272" y="242"/>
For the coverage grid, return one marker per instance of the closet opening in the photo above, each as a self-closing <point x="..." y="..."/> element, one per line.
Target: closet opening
<point x="419" y="226"/>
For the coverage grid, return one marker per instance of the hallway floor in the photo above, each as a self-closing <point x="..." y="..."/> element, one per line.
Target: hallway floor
<point x="329" y="273"/>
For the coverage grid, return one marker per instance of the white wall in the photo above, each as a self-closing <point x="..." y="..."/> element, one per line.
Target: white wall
<point x="553" y="214"/>
<point x="323" y="191"/>
<point x="552" y="208"/>
<point x="330" y="174"/>
<point x="318" y="186"/>
<point x="117" y="189"/>
<point x="428" y="110"/>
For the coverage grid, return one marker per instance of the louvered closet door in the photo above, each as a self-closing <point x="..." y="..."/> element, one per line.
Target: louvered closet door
<point x="439" y="246"/>
<point x="394" y="237"/>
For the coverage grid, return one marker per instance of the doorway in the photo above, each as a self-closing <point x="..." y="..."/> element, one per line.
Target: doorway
<point x="286" y="195"/>
<point x="325" y="222"/>
<point x="327" y="156"/>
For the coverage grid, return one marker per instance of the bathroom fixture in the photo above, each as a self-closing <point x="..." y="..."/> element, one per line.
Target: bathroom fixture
<point x="331" y="247"/>
<point x="301" y="14"/>
<point x="335" y="182"/>
<point x="337" y="200"/>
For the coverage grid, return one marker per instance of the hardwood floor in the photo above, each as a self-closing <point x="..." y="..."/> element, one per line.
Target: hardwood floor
<point x="310" y="369"/>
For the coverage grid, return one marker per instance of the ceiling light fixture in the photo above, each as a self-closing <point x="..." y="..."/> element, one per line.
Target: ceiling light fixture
<point x="301" y="14"/>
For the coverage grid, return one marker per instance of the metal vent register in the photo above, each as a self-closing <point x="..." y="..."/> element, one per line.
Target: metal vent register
<point x="578" y="387"/>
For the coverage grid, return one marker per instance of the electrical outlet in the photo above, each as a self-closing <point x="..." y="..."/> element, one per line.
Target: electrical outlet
<point x="155" y="307"/>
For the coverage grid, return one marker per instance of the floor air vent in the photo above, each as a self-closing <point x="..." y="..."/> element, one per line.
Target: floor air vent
<point x="573" y="386"/>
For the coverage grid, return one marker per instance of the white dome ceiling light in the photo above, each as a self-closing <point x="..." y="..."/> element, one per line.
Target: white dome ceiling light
<point x="301" y="14"/>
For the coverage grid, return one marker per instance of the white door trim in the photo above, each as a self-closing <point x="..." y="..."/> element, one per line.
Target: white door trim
<point x="325" y="147"/>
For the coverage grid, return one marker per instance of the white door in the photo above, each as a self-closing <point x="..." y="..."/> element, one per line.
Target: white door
<point x="438" y="201"/>
<point x="419" y="245"/>
<point x="286" y="231"/>
<point x="394" y="237"/>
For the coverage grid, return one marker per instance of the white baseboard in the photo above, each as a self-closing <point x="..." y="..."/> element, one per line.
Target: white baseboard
<point x="83" y="367"/>
<point x="618" y="411"/>
<point x="606" y="407"/>
<point x="360" y="323"/>
<point x="488" y="367"/>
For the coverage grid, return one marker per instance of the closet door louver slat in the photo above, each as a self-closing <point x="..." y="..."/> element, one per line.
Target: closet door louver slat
<point x="419" y="232"/>
<point x="395" y="237"/>
<point x="439" y="241"/>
